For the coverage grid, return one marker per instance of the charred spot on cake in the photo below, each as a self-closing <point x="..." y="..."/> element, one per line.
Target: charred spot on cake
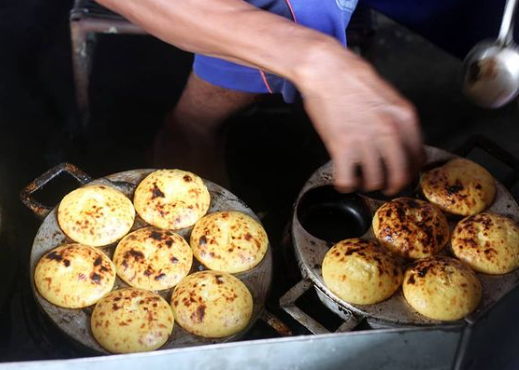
<point x="199" y="314"/>
<point x="137" y="255"/>
<point x="487" y="223"/>
<point x="469" y="242"/>
<point x="156" y="192"/>
<point x="156" y="235"/>
<point x="54" y="256"/>
<point x="218" y="279"/>
<point x="400" y="214"/>
<point x="98" y="261"/>
<point x="96" y="278"/>
<point x="352" y="250"/>
<point x="187" y="178"/>
<point x="160" y="276"/>
<point x="413" y="203"/>
<point x="422" y="271"/>
<point x="456" y="188"/>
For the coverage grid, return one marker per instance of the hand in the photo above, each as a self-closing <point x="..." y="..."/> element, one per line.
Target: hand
<point x="362" y="121"/>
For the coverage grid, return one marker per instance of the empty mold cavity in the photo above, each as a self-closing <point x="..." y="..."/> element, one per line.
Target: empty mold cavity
<point x="332" y="216"/>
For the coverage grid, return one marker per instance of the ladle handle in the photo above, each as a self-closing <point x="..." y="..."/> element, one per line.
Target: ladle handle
<point x="506" y="32"/>
<point x="39" y="209"/>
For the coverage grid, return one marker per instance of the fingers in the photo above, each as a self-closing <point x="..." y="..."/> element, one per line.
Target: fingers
<point x="406" y="119"/>
<point x="386" y="146"/>
<point x="345" y="164"/>
<point x="394" y="156"/>
<point x="372" y="171"/>
<point x="404" y="115"/>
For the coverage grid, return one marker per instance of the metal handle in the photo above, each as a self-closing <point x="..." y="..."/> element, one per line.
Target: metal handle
<point x="275" y="323"/>
<point x="507" y="24"/>
<point x="490" y="147"/>
<point x="38" y="208"/>
<point x="288" y="303"/>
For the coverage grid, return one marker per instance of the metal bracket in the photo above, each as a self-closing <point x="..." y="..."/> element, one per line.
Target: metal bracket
<point x="288" y="303"/>
<point x="275" y="323"/>
<point x="497" y="152"/>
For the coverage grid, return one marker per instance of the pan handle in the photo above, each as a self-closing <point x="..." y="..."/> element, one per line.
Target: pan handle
<point x="40" y="210"/>
<point x="288" y="303"/>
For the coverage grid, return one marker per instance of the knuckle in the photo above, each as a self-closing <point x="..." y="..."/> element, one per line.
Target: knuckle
<point x="388" y="129"/>
<point x="409" y="114"/>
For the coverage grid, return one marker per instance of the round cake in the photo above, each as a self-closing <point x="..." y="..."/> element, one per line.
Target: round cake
<point x="361" y="272"/>
<point x="153" y="259"/>
<point x="411" y="228"/>
<point x="132" y="320"/>
<point x="171" y="199"/>
<point x="229" y="241"/>
<point x="442" y="288"/>
<point x="488" y="243"/>
<point x="212" y="304"/>
<point x="460" y="187"/>
<point x="74" y="276"/>
<point x="96" y="215"/>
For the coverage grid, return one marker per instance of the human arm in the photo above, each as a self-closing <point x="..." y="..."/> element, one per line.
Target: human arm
<point x="359" y="117"/>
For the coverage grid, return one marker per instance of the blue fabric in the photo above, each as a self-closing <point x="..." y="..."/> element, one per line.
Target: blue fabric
<point x="328" y="16"/>
<point x="454" y="25"/>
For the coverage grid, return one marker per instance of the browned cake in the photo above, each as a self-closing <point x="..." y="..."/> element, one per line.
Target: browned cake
<point x="488" y="243"/>
<point x="212" y="304"/>
<point x="361" y="272"/>
<point x="229" y="241"/>
<point x="411" y="228"/>
<point x="442" y="288"/>
<point x="171" y="199"/>
<point x="74" y="276"/>
<point x="96" y="215"/>
<point x="153" y="259"/>
<point x="460" y="187"/>
<point x="132" y="320"/>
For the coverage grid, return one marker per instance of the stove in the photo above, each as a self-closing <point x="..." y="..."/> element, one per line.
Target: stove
<point x="28" y="335"/>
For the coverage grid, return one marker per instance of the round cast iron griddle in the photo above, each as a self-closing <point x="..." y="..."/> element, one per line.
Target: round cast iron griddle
<point x="310" y="252"/>
<point x="76" y="322"/>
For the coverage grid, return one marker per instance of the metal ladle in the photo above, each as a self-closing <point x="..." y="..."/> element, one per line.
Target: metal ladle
<point x="491" y="69"/>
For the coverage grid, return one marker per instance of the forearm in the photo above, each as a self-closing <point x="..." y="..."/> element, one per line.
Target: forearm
<point x="233" y="30"/>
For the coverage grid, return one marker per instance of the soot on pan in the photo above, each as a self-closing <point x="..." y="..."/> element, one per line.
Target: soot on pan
<point x="332" y="216"/>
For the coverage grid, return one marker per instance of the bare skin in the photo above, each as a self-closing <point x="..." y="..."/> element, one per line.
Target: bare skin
<point x="192" y="136"/>
<point x="360" y="118"/>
